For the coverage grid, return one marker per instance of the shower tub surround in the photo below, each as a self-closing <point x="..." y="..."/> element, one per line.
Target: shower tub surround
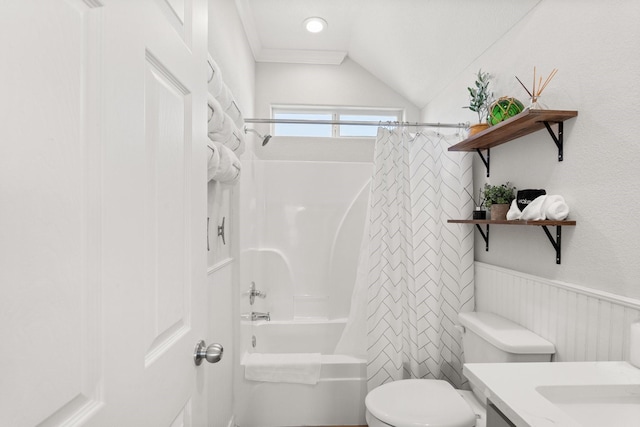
<point x="309" y="233"/>
<point x="337" y="398"/>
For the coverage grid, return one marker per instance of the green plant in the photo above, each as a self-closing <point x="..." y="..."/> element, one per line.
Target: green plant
<point x="480" y="98"/>
<point x="497" y="194"/>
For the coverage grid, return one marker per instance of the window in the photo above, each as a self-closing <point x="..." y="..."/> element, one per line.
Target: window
<point x="332" y="114"/>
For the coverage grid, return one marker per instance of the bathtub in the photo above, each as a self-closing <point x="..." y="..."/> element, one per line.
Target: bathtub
<point x="337" y="399"/>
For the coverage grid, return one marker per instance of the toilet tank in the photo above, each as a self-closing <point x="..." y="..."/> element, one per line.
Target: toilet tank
<point x="489" y="338"/>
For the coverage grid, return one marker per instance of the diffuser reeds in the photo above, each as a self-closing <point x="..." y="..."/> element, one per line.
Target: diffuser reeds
<point x="538" y="85"/>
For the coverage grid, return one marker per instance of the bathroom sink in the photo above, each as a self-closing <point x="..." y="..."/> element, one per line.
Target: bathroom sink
<point x="611" y="405"/>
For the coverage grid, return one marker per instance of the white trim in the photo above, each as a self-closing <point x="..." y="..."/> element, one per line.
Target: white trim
<point x="295" y="56"/>
<point x="249" y="25"/>
<point x="219" y="265"/>
<point x="595" y="293"/>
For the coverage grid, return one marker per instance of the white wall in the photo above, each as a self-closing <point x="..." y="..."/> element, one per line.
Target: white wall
<point x="229" y="48"/>
<point x="594" y="46"/>
<point x="347" y="85"/>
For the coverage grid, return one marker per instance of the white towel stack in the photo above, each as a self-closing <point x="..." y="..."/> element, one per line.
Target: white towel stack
<point x="225" y="122"/>
<point x="300" y="368"/>
<point x="552" y="207"/>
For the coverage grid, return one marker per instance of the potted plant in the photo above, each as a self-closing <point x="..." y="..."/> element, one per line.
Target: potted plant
<point x="479" y="100"/>
<point x="498" y="198"/>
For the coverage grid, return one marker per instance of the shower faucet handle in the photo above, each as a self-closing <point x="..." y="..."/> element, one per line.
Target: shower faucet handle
<point x="253" y="293"/>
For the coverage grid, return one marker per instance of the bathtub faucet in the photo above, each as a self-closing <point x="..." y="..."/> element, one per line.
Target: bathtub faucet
<point x="254" y="315"/>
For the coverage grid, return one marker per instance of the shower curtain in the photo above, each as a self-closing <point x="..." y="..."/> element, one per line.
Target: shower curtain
<point x="415" y="270"/>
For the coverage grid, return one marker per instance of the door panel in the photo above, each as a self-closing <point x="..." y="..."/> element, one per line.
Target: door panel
<point x="103" y="219"/>
<point x="166" y="209"/>
<point x="49" y="298"/>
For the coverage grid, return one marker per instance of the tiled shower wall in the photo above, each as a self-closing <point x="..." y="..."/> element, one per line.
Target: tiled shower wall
<point x="584" y="324"/>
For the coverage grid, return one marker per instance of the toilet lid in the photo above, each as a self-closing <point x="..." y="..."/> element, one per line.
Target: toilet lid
<point x="420" y="403"/>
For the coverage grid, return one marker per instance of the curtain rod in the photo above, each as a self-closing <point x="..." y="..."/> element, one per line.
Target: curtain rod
<point x="356" y="123"/>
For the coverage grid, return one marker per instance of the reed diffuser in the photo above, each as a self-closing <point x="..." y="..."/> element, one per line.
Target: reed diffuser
<point x="537" y="88"/>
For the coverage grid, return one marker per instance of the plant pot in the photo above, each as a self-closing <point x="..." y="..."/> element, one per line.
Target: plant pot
<point x="499" y="211"/>
<point x="477" y="128"/>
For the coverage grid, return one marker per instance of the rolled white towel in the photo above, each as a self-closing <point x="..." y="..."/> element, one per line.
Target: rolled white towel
<point x="225" y="97"/>
<point x="229" y="169"/>
<point x="236" y="141"/>
<point x="555" y="208"/>
<point x="216" y="114"/>
<point x="234" y="112"/>
<point x="214" y="77"/>
<point x="225" y="130"/>
<point x="534" y="210"/>
<point x="514" y="212"/>
<point x="213" y="162"/>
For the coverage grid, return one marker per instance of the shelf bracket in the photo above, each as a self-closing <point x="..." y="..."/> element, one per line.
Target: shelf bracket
<point x="485" y="236"/>
<point x="558" y="139"/>
<point x="557" y="245"/>
<point x="485" y="160"/>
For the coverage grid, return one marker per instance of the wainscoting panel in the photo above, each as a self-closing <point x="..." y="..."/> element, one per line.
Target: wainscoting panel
<point x="584" y="324"/>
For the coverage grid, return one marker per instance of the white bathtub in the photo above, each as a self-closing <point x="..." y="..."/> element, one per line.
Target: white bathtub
<point x="337" y="399"/>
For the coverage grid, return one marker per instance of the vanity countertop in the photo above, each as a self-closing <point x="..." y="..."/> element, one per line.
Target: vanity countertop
<point x="517" y="390"/>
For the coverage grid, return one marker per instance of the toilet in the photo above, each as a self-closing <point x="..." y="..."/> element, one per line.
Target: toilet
<point x="486" y="337"/>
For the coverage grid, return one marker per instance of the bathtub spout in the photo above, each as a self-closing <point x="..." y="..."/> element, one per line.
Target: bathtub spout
<point x="254" y="315"/>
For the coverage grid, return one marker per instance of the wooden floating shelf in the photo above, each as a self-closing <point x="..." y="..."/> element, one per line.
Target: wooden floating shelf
<point x="514" y="222"/>
<point x="556" y="243"/>
<point x="527" y="122"/>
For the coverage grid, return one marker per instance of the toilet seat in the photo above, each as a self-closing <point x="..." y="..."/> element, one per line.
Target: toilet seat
<point x="419" y="403"/>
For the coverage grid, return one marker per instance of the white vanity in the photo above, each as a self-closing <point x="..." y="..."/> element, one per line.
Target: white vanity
<point x="571" y="394"/>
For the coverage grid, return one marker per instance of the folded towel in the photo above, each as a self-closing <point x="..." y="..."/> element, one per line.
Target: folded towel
<point x="552" y="207"/>
<point x="301" y="368"/>
<point x="514" y="211"/>
<point x="534" y="211"/>
<point x="555" y="208"/>
<point x="214" y="77"/>
<point x="214" y="161"/>
<point x="216" y="114"/>
<point x="229" y="168"/>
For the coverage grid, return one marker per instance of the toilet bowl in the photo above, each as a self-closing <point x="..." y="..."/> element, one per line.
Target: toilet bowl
<point x="411" y="403"/>
<point x="435" y="403"/>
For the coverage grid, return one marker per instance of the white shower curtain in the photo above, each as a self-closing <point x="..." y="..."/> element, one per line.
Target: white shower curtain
<point x="416" y="270"/>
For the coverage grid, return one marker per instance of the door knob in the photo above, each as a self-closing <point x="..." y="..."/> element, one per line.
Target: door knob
<point x="212" y="354"/>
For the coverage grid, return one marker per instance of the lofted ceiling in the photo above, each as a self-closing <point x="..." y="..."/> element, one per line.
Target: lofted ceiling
<point x="414" y="46"/>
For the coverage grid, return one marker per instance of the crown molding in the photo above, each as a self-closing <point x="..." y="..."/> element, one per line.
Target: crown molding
<point x="293" y="56"/>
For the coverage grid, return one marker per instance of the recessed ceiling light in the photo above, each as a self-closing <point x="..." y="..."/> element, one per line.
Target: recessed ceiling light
<point x="315" y="24"/>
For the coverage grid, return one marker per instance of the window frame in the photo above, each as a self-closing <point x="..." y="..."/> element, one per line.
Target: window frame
<point x="336" y="113"/>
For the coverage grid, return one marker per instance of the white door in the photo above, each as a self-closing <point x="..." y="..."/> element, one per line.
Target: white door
<point x="102" y="212"/>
